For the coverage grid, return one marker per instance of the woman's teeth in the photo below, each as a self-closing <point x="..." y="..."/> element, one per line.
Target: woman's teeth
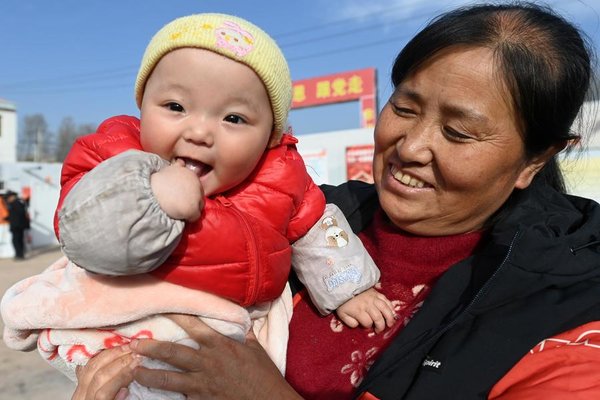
<point x="406" y="179"/>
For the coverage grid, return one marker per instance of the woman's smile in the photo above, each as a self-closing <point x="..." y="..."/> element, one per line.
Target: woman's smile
<point x="407" y="179"/>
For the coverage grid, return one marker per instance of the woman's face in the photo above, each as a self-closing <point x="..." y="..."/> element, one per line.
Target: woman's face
<point x="448" y="148"/>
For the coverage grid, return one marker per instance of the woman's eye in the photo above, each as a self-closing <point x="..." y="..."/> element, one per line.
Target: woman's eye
<point x="172" y="106"/>
<point x="399" y="110"/>
<point x="234" y="119"/>
<point x="456" y="135"/>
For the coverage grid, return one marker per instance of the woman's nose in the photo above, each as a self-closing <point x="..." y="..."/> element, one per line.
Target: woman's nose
<point x="416" y="144"/>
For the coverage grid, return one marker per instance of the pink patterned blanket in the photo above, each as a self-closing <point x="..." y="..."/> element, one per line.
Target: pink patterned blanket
<point x="70" y="315"/>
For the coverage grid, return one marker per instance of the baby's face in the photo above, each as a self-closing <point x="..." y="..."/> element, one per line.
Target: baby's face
<point x="209" y="111"/>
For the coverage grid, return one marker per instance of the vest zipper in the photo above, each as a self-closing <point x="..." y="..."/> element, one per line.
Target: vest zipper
<point x="252" y="248"/>
<point x="480" y="293"/>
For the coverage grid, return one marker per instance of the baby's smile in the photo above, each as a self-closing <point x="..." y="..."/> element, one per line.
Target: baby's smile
<point x="199" y="168"/>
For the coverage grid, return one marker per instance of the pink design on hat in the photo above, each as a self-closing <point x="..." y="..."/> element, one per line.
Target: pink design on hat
<point x="232" y="37"/>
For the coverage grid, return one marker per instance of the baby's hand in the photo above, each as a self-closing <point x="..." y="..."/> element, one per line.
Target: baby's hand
<point x="369" y="308"/>
<point x="178" y="192"/>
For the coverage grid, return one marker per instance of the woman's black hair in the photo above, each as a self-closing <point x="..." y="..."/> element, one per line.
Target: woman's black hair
<point x="543" y="59"/>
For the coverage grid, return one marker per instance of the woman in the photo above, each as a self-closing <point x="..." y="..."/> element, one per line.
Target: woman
<point x="467" y="220"/>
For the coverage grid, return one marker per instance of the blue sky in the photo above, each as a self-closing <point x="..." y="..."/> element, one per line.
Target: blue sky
<point x="79" y="59"/>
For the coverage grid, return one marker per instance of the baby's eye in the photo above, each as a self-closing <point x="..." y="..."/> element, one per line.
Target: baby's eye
<point x="172" y="106"/>
<point x="234" y="119"/>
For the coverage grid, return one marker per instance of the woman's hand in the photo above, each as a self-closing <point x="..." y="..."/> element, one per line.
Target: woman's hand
<point x="220" y="369"/>
<point x="106" y="375"/>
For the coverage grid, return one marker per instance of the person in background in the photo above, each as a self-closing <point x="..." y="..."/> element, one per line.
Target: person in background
<point x="495" y="267"/>
<point x="18" y="220"/>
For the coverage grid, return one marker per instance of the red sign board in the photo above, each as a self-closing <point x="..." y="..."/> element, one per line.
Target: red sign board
<point x="368" y="110"/>
<point x="337" y="88"/>
<point x="359" y="163"/>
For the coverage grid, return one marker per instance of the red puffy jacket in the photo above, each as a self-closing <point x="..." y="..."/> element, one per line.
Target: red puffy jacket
<point x="240" y="247"/>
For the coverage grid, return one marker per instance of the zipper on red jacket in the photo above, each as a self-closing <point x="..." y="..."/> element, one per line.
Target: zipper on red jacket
<point x="252" y="247"/>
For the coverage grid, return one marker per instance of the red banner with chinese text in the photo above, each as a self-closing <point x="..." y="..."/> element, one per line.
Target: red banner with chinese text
<point x="336" y="88"/>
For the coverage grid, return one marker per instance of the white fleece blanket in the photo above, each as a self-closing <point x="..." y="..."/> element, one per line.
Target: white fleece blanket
<point x="70" y="315"/>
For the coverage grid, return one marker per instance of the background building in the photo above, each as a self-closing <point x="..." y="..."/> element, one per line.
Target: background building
<point x="8" y="131"/>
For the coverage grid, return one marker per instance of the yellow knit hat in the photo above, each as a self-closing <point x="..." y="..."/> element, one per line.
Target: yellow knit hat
<point x="233" y="38"/>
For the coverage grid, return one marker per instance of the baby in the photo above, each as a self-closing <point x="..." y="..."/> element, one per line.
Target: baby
<point x="195" y="206"/>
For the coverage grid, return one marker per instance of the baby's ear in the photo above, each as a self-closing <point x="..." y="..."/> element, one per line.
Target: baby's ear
<point x="275" y="138"/>
<point x="535" y="165"/>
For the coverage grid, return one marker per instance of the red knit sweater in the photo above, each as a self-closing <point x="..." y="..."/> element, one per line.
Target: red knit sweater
<point x="326" y="359"/>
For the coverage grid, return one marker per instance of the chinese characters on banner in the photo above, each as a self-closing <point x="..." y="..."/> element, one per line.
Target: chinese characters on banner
<point x="359" y="163"/>
<point x="337" y="88"/>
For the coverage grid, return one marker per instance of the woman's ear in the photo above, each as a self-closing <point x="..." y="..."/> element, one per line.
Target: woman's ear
<point x="535" y="164"/>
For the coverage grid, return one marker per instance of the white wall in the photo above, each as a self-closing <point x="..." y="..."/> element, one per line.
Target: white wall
<point x="8" y="132"/>
<point x="334" y="144"/>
